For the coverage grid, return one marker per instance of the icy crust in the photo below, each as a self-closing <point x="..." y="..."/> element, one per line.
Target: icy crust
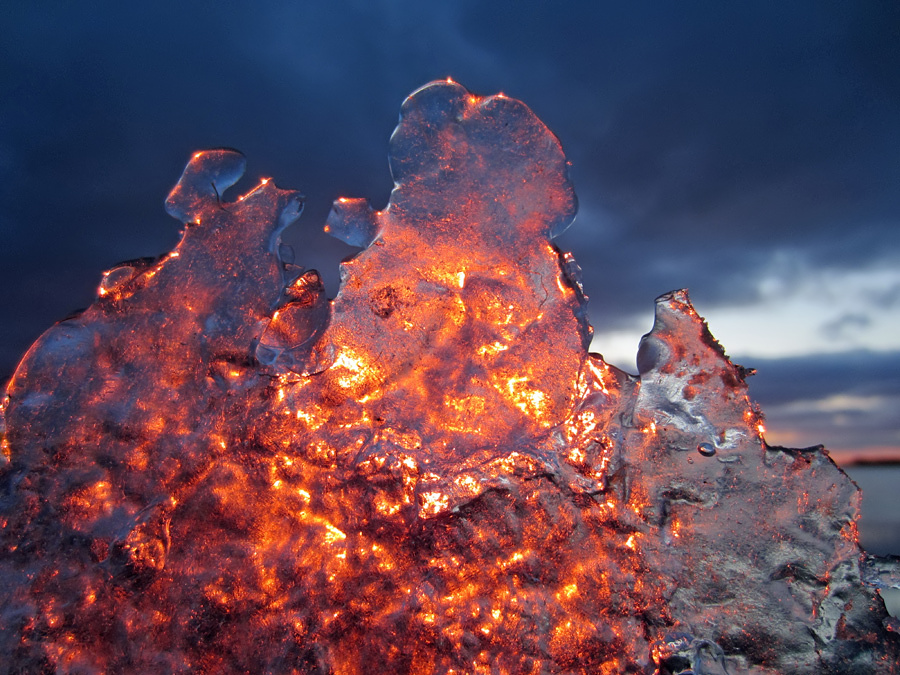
<point x="760" y="542"/>
<point x="216" y="469"/>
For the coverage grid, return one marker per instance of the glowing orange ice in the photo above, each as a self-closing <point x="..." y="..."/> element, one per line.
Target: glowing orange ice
<point x="217" y="469"/>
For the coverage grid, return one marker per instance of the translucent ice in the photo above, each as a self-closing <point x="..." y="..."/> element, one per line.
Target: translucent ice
<point x="457" y="326"/>
<point x="214" y="468"/>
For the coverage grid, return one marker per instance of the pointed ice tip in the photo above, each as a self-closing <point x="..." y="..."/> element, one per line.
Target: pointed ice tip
<point x="676" y="321"/>
<point x="679" y="297"/>
<point x="670" y="307"/>
<point x="205" y="178"/>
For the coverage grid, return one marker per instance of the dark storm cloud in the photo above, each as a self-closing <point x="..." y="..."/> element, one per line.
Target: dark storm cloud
<point x="816" y="377"/>
<point x="703" y="137"/>
<point x="848" y="401"/>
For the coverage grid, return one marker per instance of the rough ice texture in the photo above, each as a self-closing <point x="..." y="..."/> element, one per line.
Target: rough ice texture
<point x="215" y="469"/>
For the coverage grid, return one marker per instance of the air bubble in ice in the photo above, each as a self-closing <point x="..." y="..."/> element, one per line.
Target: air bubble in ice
<point x="115" y="278"/>
<point x="706" y="449"/>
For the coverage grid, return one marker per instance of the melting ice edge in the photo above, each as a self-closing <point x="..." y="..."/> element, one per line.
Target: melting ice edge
<point x="214" y="468"/>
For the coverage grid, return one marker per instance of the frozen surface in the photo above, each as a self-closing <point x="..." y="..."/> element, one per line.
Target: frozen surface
<point x="214" y="468"/>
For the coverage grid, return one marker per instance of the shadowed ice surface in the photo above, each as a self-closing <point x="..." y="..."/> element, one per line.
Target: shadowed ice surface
<point x="214" y="468"/>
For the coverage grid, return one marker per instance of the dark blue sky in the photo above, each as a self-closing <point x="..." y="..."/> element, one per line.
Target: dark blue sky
<point x="748" y="152"/>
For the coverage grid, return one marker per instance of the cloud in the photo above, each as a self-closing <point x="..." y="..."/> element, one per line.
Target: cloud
<point x="847" y="401"/>
<point x="740" y="137"/>
<point x="848" y="424"/>
<point x="844" y="324"/>
<point x="816" y="377"/>
<point x="705" y="140"/>
<point x="789" y="308"/>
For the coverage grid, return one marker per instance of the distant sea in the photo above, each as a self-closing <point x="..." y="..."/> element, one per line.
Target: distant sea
<point x="879" y="525"/>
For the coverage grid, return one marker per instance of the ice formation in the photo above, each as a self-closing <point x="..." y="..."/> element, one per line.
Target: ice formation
<point x="216" y="469"/>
